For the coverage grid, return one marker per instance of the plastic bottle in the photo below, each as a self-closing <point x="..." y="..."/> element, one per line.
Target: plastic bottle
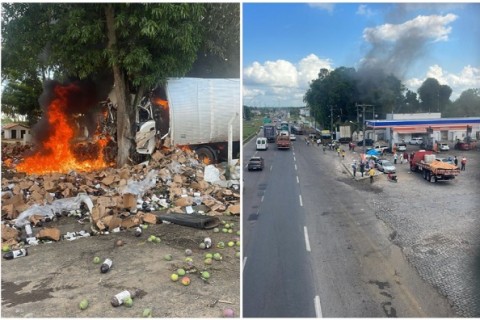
<point x="119" y="298"/>
<point x="28" y="230"/>
<point x="106" y="265"/>
<point x="138" y="232"/>
<point x="15" y="254"/>
<point x="208" y="243"/>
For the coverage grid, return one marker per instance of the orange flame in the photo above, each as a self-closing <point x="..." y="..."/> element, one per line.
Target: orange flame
<point x="184" y="148"/>
<point x="56" y="153"/>
<point x="162" y="103"/>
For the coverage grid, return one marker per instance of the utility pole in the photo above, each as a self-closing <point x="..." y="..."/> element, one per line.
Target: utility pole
<point x="331" y="121"/>
<point x="363" y="106"/>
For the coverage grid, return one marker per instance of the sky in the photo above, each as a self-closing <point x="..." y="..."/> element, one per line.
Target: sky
<point x="286" y="44"/>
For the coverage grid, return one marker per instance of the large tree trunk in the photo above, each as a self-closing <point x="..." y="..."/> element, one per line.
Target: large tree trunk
<point x="124" y="130"/>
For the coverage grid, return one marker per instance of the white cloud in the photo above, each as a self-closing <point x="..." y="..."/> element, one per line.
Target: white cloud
<point x="427" y="27"/>
<point x="467" y="78"/>
<point x="281" y="81"/>
<point x="323" y="6"/>
<point x="363" y="10"/>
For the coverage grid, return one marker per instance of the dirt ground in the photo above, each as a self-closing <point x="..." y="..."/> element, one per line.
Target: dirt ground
<point x="54" y="277"/>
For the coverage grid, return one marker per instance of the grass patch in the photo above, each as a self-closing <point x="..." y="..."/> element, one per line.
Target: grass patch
<point x="250" y="127"/>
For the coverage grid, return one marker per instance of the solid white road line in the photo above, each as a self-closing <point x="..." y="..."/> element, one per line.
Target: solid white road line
<point x="307" y="242"/>
<point x="244" y="262"/>
<point x="318" y="307"/>
<point x="301" y="202"/>
<point x="298" y="181"/>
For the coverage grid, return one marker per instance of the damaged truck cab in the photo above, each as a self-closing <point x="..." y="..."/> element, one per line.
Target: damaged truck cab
<point x="199" y="114"/>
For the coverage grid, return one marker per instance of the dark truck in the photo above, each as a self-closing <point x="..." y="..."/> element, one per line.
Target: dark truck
<point x="269" y="132"/>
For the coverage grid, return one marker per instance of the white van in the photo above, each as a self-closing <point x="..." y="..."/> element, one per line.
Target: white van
<point x="262" y="144"/>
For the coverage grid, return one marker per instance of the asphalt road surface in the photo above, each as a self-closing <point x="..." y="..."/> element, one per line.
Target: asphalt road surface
<point x="313" y="246"/>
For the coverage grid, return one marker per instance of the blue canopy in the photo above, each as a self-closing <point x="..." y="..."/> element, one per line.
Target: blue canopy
<point x="373" y="152"/>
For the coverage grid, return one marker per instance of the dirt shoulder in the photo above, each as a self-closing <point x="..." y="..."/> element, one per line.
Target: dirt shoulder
<point x="54" y="277"/>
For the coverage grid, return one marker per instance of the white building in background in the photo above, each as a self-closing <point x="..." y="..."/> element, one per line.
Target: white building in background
<point x="16" y="131"/>
<point x="405" y="126"/>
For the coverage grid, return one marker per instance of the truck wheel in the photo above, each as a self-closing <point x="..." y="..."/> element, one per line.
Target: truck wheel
<point x="429" y="177"/>
<point x="435" y="179"/>
<point x="206" y="155"/>
<point x="424" y="175"/>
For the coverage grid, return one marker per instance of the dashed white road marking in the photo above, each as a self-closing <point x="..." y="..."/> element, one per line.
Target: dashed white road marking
<point x="295" y="167"/>
<point x="301" y="202"/>
<point x="318" y="307"/>
<point x="298" y="181"/>
<point x="271" y="166"/>
<point x="244" y="263"/>
<point x="294" y="159"/>
<point x="262" y="198"/>
<point x="307" y="241"/>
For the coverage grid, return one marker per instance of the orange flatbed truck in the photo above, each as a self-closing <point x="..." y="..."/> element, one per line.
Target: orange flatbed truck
<point x="283" y="140"/>
<point x="424" y="161"/>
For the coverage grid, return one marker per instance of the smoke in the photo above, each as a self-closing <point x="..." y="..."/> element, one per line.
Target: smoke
<point x="81" y="107"/>
<point x="400" y="43"/>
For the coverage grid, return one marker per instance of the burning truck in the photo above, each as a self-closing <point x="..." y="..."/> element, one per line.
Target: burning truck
<point x="189" y="113"/>
<point x="199" y="114"/>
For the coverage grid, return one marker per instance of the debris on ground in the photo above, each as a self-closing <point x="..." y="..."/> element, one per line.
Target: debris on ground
<point x="172" y="186"/>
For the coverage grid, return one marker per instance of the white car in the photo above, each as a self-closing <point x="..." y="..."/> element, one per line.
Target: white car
<point x="444" y="147"/>
<point x="401" y="147"/>
<point x="293" y="137"/>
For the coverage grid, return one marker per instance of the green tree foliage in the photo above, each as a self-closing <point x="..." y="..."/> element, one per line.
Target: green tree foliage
<point x="247" y="113"/>
<point x="219" y="54"/>
<point x="433" y="96"/>
<point x="467" y="105"/>
<point x="333" y="95"/>
<point x="137" y="45"/>
<point x="22" y="98"/>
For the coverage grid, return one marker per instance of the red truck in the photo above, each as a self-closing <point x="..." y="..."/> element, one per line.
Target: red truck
<point x="425" y="162"/>
<point x="283" y="140"/>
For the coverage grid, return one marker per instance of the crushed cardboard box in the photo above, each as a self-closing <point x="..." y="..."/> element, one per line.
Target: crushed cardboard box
<point x="179" y="181"/>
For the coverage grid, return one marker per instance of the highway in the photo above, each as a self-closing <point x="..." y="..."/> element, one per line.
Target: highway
<point x="314" y="248"/>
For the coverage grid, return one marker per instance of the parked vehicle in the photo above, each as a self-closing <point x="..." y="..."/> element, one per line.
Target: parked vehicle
<point x="385" y="166"/>
<point x="326" y="136"/>
<point x="462" y="146"/>
<point x="416" y="141"/>
<point x="345" y="140"/>
<point x="368" y="142"/>
<point x="297" y="129"/>
<point x="443" y="147"/>
<point x="261" y="143"/>
<point x="202" y="124"/>
<point x="269" y="132"/>
<point x="345" y="134"/>
<point x="402" y="146"/>
<point x="423" y="161"/>
<point x="381" y="148"/>
<point x="255" y="163"/>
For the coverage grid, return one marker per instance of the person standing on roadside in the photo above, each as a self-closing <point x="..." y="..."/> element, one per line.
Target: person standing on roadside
<point x="395" y="158"/>
<point x="343" y="154"/>
<point x="371" y="173"/>
<point x="463" y="163"/>
<point x="354" y="168"/>
<point x="362" y="167"/>
<point x="455" y="160"/>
